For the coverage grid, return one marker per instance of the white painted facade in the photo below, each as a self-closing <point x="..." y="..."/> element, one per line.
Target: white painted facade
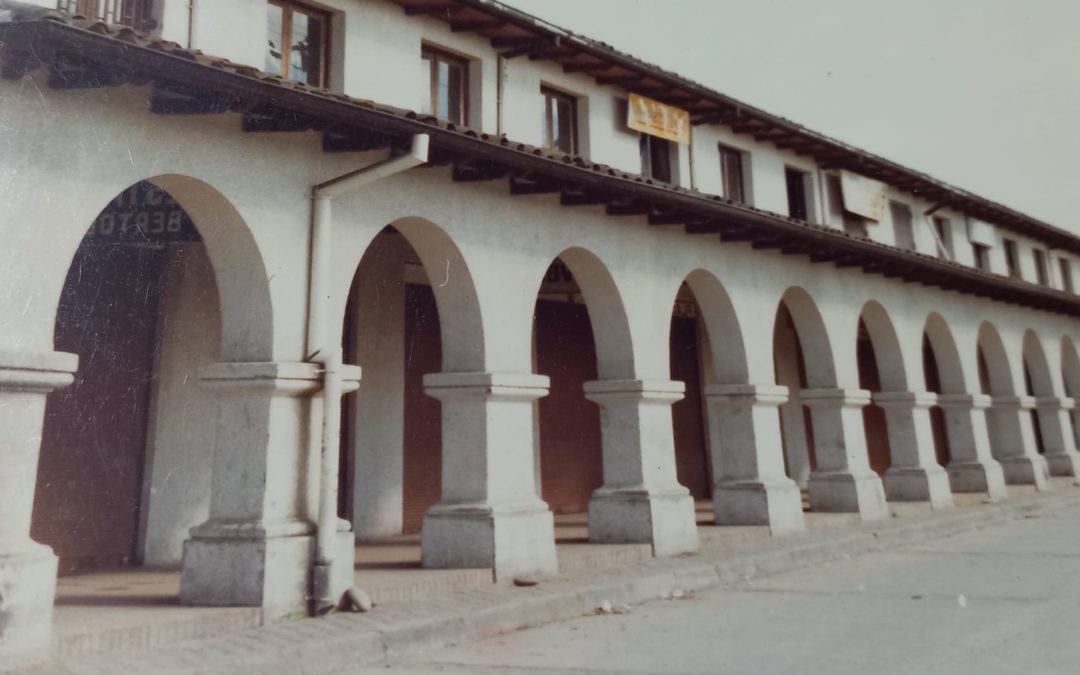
<point x="232" y="478"/>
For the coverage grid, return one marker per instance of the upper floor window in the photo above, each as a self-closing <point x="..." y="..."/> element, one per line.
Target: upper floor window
<point x="943" y="230"/>
<point x="1012" y="258"/>
<point x="656" y="158"/>
<point x="135" y="13"/>
<point x="560" y="121"/>
<point x="298" y="39"/>
<point x="1042" y="273"/>
<point x="731" y="173"/>
<point x="981" y="253"/>
<point x="448" y="80"/>
<point x="798" y="204"/>
<point x="1066" y="275"/>
<point x="903" y="230"/>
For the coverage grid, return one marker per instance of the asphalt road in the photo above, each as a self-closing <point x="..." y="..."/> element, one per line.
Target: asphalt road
<point x="1000" y="600"/>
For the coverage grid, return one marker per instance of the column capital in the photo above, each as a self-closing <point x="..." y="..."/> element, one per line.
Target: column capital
<point x="747" y="394"/>
<point x="1054" y="403"/>
<point x="654" y="391"/>
<point x="282" y="378"/>
<point x="905" y="399"/>
<point x="37" y="372"/>
<point x="1013" y="402"/>
<point x="964" y="401"/>
<point x="486" y="386"/>
<point x="839" y="398"/>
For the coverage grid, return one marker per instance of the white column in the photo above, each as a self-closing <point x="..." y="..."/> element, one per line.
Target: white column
<point x="641" y="500"/>
<point x="843" y="481"/>
<point x="1058" y="443"/>
<point x="973" y="467"/>
<point x="256" y="548"/>
<point x="751" y="487"/>
<point x="913" y="474"/>
<point x="27" y="568"/>
<point x="379" y="432"/>
<point x="1013" y="442"/>
<point x="490" y="515"/>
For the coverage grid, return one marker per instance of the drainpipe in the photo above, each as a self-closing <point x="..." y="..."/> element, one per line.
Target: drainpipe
<point x="191" y="32"/>
<point x="329" y="356"/>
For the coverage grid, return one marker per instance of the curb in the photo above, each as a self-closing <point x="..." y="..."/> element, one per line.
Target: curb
<point x="344" y="641"/>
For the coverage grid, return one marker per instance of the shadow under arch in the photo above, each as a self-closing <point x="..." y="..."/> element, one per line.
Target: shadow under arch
<point x="946" y="357"/>
<point x="812" y="336"/>
<point x="995" y="375"/>
<point x="725" y="339"/>
<point x="888" y="357"/>
<point x="1070" y="375"/>
<point x="460" y="319"/>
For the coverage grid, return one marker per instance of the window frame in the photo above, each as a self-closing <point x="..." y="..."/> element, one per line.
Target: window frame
<point x="981" y="256"/>
<point x="943" y="230"/>
<point x="726" y="151"/>
<point x="551" y="95"/>
<point x="1012" y="258"/>
<point x="433" y="55"/>
<point x="288" y="7"/>
<point x="792" y="173"/>
<point x="646" y="142"/>
<point x="1042" y="270"/>
<point x="895" y="207"/>
<point x="1065" y="269"/>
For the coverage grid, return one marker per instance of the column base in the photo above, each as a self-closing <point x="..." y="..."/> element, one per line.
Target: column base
<point x="1025" y="470"/>
<point x="228" y="565"/>
<point x="919" y="484"/>
<point x="985" y="477"/>
<point x="848" y="493"/>
<point x="510" y="540"/>
<point x="27" y="593"/>
<point x="1063" y="463"/>
<point x="665" y="519"/>
<point x="778" y="505"/>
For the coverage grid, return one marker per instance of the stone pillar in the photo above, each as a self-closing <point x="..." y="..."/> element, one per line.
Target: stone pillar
<point x="973" y="468"/>
<point x="751" y="487"/>
<point x="257" y="546"/>
<point x="1058" y="444"/>
<point x="27" y="568"/>
<point x="1013" y="442"/>
<point x="843" y="481"/>
<point x="914" y="474"/>
<point x="641" y="500"/>
<point x="490" y="515"/>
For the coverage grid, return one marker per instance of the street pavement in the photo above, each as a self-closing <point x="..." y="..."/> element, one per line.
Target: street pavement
<point x="1005" y="599"/>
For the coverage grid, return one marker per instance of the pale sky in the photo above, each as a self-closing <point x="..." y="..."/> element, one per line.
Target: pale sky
<point x="983" y="94"/>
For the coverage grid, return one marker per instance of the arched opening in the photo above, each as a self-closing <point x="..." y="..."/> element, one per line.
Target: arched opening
<point x="1070" y="365"/>
<point x="691" y="363"/>
<point x="166" y="280"/>
<point x="798" y="331"/>
<point x="411" y="311"/>
<point x="874" y="424"/>
<point x="932" y="380"/>
<point x="580" y="334"/>
<point x="1037" y="383"/>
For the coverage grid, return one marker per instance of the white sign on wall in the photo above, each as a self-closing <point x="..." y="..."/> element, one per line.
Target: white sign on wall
<point x="863" y="196"/>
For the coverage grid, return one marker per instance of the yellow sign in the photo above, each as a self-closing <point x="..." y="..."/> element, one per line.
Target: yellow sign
<point x="658" y="119"/>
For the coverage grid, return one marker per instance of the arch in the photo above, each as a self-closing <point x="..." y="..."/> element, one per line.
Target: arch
<point x="887" y="353"/>
<point x="607" y="313"/>
<point x="247" y="315"/>
<point x="1070" y="367"/>
<point x="1036" y="367"/>
<point x="722" y="326"/>
<point x="995" y="359"/>
<point x="946" y="355"/>
<point x="460" y="319"/>
<point x="813" y="337"/>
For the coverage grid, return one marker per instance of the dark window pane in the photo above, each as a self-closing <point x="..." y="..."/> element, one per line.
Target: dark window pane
<point x="796" y="193"/>
<point x="427" y="105"/>
<point x="307" y="48"/>
<point x="732" y="174"/>
<point x="563" y="123"/>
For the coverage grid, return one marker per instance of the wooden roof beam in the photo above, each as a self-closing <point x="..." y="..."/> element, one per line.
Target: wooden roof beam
<point x="476" y="26"/>
<point x="438" y="11"/>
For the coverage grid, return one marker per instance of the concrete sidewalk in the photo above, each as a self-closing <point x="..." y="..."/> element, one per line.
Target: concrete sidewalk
<point x="410" y="626"/>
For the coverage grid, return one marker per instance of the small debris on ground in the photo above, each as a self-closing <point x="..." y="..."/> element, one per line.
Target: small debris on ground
<point x="357" y="600"/>
<point x="525" y="582"/>
<point x="604" y="608"/>
<point x="961" y="600"/>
